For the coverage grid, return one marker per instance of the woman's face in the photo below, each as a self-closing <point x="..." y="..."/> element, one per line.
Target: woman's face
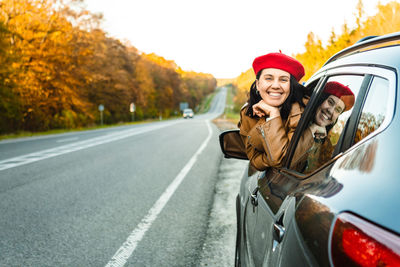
<point x="328" y="112"/>
<point x="274" y="86"/>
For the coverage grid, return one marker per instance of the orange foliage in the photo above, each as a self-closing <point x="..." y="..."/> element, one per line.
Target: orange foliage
<point x="57" y="66"/>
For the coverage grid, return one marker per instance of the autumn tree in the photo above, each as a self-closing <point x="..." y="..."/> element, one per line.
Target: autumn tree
<point x="385" y="21"/>
<point x="10" y="106"/>
<point x="44" y="74"/>
<point x="242" y="86"/>
<point x="57" y="66"/>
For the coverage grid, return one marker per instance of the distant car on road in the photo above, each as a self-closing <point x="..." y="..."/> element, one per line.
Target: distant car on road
<point x="188" y="113"/>
<point x="343" y="211"/>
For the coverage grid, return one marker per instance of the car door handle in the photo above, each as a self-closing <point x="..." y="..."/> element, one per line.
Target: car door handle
<point x="279" y="232"/>
<point x="279" y="229"/>
<point x="254" y="198"/>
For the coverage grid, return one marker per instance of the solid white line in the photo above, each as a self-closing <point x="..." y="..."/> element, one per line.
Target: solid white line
<point x="127" y="248"/>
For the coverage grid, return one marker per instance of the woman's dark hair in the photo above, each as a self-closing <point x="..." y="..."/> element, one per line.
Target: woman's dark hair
<point x="297" y="92"/>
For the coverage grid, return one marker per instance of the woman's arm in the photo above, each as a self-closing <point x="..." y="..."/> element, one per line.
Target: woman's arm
<point x="274" y="141"/>
<point x="267" y="140"/>
<point x="270" y="141"/>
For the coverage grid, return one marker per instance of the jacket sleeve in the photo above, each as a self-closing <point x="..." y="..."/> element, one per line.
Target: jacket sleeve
<point x="302" y="149"/>
<point x="274" y="136"/>
<point x="253" y="146"/>
<point x="274" y="139"/>
<point x="267" y="141"/>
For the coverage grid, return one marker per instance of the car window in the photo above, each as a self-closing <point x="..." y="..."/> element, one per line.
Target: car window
<point x="375" y="108"/>
<point x="313" y="150"/>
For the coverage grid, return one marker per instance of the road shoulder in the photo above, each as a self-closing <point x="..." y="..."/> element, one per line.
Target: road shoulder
<point x="219" y="245"/>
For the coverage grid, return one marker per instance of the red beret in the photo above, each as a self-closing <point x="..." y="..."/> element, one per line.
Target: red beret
<point x="341" y="91"/>
<point x="279" y="61"/>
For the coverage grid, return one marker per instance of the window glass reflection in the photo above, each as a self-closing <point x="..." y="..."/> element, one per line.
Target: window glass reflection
<point x="374" y="109"/>
<point x="333" y="109"/>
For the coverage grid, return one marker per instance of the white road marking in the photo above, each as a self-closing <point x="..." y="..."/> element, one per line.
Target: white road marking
<point x="56" y="151"/>
<point x="127" y="248"/>
<point x="67" y="140"/>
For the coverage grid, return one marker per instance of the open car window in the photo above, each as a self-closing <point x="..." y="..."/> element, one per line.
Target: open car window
<point x="315" y="149"/>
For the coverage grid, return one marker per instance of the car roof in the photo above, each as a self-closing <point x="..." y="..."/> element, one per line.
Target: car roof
<point x="367" y="43"/>
<point x="383" y="56"/>
<point x="379" y="56"/>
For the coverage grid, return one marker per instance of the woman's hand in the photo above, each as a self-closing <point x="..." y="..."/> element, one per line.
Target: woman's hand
<point x="262" y="109"/>
<point x="319" y="132"/>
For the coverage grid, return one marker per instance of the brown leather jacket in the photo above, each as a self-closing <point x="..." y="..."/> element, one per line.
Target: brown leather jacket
<point x="266" y="141"/>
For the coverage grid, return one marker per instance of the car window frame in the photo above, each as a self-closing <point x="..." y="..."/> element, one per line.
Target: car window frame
<point x="368" y="72"/>
<point x="353" y="119"/>
<point x="390" y="76"/>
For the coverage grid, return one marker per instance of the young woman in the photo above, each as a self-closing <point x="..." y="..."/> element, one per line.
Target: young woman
<point x="276" y="102"/>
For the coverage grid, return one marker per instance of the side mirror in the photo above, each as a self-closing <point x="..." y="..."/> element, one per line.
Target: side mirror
<point x="232" y="145"/>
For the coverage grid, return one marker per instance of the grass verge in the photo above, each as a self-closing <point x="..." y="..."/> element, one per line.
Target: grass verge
<point x="206" y="103"/>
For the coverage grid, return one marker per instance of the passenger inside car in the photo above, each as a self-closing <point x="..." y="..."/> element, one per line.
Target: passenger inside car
<point x="336" y="99"/>
<point x="276" y="102"/>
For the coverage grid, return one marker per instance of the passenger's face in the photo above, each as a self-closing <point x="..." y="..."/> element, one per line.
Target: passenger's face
<point x="274" y="86"/>
<point x="329" y="111"/>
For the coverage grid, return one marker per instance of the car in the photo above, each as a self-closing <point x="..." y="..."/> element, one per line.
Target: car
<point x="187" y="113"/>
<point x="344" y="211"/>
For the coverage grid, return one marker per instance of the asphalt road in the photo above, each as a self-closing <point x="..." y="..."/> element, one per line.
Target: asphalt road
<point x="134" y="196"/>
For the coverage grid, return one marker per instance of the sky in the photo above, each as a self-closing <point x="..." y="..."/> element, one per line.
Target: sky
<point x="222" y="37"/>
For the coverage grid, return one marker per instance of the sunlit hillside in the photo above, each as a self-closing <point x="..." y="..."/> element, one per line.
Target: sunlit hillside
<point x="222" y="82"/>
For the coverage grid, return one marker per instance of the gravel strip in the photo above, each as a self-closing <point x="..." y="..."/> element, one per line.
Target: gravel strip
<point x="219" y="245"/>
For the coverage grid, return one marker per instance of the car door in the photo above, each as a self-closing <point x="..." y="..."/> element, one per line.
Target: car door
<point x="250" y="210"/>
<point x="273" y="207"/>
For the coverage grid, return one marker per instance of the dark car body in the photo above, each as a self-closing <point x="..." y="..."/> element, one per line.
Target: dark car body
<point x="345" y="212"/>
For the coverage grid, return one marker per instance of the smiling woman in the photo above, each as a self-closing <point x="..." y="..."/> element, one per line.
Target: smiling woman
<point x="274" y="88"/>
<point x="270" y="116"/>
<point x="336" y="99"/>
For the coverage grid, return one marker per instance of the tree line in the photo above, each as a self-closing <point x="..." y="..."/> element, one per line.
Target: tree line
<point x="385" y="21"/>
<point x="57" y="66"/>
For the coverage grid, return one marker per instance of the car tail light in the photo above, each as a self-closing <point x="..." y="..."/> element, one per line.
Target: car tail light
<point x="356" y="242"/>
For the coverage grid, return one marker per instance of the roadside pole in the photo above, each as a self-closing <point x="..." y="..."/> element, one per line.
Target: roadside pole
<point x="132" y="109"/>
<point x="101" y="108"/>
